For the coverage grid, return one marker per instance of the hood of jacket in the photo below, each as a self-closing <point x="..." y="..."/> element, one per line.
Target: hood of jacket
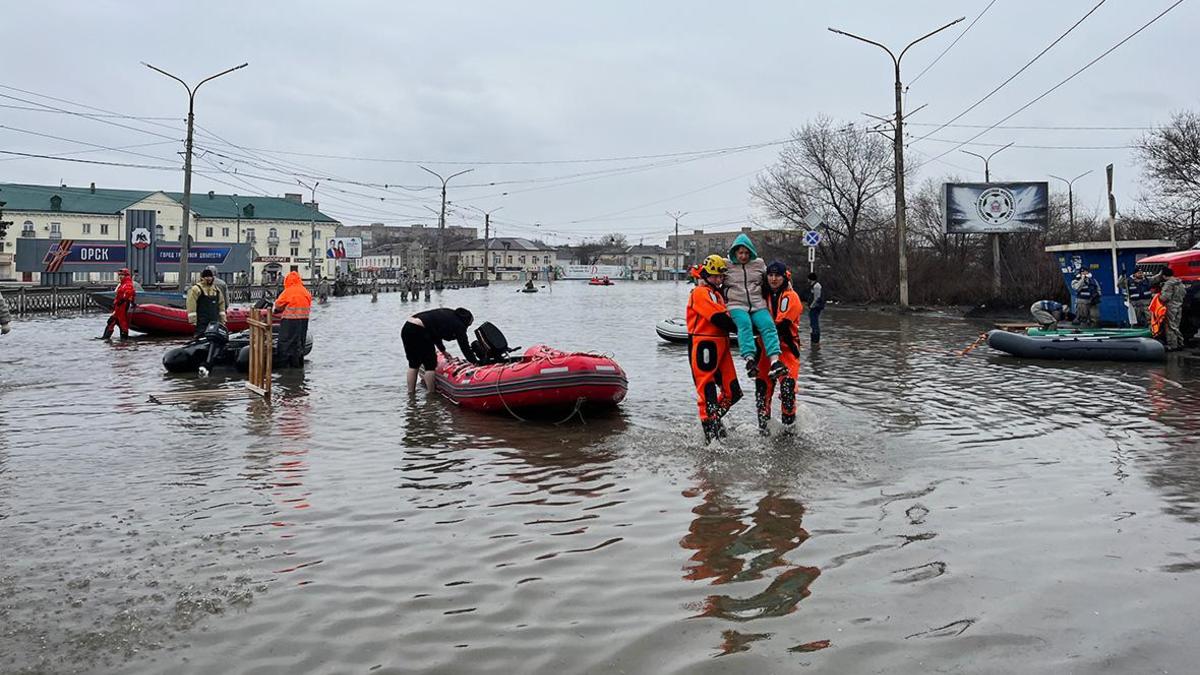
<point x="292" y="279"/>
<point x="742" y="240"/>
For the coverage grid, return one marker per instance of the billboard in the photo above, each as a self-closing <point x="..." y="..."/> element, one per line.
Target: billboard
<point x="344" y="247"/>
<point x="589" y="271"/>
<point x="972" y="208"/>
<point x="73" y="252"/>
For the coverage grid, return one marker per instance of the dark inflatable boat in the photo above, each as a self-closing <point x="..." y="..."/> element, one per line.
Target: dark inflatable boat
<point x="217" y="348"/>
<point x="1078" y="348"/>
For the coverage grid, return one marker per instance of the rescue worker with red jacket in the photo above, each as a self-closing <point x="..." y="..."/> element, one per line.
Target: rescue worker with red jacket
<point x="785" y="307"/>
<point x="122" y="305"/>
<point x="709" y="325"/>
<point x="295" y="303"/>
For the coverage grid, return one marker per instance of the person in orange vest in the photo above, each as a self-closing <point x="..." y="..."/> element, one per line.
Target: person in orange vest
<point x="122" y="304"/>
<point x="709" y="325"/>
<point x="785" y="306"/>
<point x="295" y="304"/>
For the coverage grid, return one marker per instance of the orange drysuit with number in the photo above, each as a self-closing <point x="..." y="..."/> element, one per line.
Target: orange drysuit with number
<point x="785" y="307"/>
<point x="709" y="325"/>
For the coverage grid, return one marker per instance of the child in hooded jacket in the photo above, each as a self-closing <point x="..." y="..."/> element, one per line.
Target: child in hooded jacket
<point x="745" y="298"/>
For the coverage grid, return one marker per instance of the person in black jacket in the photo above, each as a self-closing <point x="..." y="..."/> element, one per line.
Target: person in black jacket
<point x="425" y="331"/>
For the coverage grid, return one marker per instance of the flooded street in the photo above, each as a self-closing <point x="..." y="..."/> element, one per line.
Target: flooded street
<point x="933" y="513"/>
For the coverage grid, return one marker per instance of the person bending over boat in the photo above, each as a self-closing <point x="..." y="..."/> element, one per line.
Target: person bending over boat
<point x="295" y="304"/>
<point x="709" y="325"/>
<point x="205" y="304"/>
<point x="424" y="332"/>
<point x="784" y="304"/>
<point x="122" y="304"/>
<point x="1047" y="314"/>
<point x="748" y="307"/>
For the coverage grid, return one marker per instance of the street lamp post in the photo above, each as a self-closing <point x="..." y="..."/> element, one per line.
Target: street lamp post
<point x="442" y="221"/>
<point x="312" y="228"/>
<point x="898" y="151"/>
<point x="1071" y="200"/>
<point x="987" y="178"/>
<point x="187" y="165"/>
<point x="487" y="238"/>
<point x="677" y="215"/>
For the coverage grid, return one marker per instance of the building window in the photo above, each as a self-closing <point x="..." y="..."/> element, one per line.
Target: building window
<point x="250" y="234"/>
<point x="103" y="228"/>
<point x="87" y="228"/>
<point x="208" y="232"/>
<point x="295" y="234"/>
<point x="521" y="260"/>
<point x="295" y="251"/>
<point x="510" y="260"/>
<point x="56" y="229"/>
<point x="108" y="276"/>
<point x="27" y="229"/>
<point x="80" y="277"/>
<point x="225" y="232"/>
<point x="272" y="250"/>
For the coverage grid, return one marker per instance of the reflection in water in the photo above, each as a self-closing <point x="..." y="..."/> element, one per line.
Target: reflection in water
<point x="733" y="545"/>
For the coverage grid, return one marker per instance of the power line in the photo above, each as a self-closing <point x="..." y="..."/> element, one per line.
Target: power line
<point x="1026" y="127"/>
<point x="1070" y="77"/>
<point x="1033" y="147"/>
<point x="88" y="161"/>
<point x="91" y="145"/>
<point x="115" y="115"/>
<point x="102" y="149"/>
<point x="85" y="116"/>
<point x="951" y="45"/>
<point x="1014" y="75"/>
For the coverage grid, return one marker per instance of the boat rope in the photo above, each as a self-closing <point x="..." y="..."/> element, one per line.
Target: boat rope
<point x="978" y="341"/>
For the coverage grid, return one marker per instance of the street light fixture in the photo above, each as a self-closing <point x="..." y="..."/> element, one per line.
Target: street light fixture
<point x="442" y="221"/>
<point x="898" y="150"/>
<point x="987" y="178"/>
<point x="1071" y="199"/>
<point x="187" y="165"/>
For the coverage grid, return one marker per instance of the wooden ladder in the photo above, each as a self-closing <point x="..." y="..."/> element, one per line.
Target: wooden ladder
<point x="261" y="351"/>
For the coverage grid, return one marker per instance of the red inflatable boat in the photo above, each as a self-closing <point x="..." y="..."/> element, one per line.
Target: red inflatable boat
<point x="543" y="379"/>
<point x="161" y="320"/>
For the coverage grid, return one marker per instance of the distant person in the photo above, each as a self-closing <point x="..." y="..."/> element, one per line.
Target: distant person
<point x="374" y="289"/>
<point x="5" y="317"/>
<point x="785" y="307"/>
<point x="323" y="290"/>
<point x="295" y="304"/>
<point x="1087" y="298"/>
<point x="1047" y="314"/>
<point x="1172" y="296"/>
<point x="123" y="303"/>
<point x="222" y="287"/>
<point x="1137" y="287"/>
<point x="529" y="286"/>
<point x="816" y="304"/>
<point x="709" y="353"/>
<point x="424" y="332"/>
<point x="205" y="304"/>
<point x="137" y="284"/>
<point x="744" y="296"/>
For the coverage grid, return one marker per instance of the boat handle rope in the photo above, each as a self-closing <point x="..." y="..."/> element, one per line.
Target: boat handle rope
<point x="978" y="341"/>
<point x="577" y="410"/>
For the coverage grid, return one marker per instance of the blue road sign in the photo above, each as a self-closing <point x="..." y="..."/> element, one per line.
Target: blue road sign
<point x="812" y="238"/>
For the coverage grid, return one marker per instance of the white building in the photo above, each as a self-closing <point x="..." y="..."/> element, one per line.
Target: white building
<point x="280" y="229"/>
<point x="511" y="259"/>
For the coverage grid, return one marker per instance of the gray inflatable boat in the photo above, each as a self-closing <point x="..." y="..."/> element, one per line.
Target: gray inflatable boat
<point x="1078" y="348"/>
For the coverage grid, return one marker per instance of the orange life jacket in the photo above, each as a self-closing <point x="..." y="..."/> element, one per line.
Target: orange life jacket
<point x="295" y="301"/>
<point x="1158" y="316"/>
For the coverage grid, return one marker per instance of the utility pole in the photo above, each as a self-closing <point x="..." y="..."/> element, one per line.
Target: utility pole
<point x="1071" y="200"/>
<point x="437" y="277"/>
<point x="312" y="229"/>
<point x="987" y="178"/>
<point x="898" y="151"/>
<point x="677" y="215"/>
<point x="487" y="239"/>
<point x="187" y="166"/>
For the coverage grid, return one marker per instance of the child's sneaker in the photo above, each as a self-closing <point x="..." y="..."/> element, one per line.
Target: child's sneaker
<point x="752" y="366"/>
<point x="777" y="371"/>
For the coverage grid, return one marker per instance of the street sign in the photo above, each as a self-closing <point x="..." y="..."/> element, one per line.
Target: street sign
<point x="812" y="255"/>
<point x="812" y="238"/>
<point x="813" y="220"/>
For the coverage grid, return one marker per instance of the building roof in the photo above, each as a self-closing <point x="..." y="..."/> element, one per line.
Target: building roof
<point x="103" y="201"/>
<point x="514" y="244"/>
<point x="646" y="249"/>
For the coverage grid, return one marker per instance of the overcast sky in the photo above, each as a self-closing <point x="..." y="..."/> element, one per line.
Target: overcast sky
<point x="463" y="83"/>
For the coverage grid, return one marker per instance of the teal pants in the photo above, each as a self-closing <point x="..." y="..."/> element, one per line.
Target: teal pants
<point x="747" y="323"/>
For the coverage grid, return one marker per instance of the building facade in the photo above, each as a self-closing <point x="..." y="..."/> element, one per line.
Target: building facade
<point x="695" y="247"/>
<point x="282" y="232"/>
<point x="511" y="259"/>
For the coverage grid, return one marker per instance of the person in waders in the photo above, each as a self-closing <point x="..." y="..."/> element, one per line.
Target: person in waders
<point x="295" y="304"/>
<point x="122" y="305"/>
<point x="205" y="304"/>
<point x="785" y="306"/>
<point x="709" y="354"/>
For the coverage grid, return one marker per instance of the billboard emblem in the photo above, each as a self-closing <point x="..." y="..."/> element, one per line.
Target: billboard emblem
<point x="140" y="238"/>
<point x="997" y="206"/>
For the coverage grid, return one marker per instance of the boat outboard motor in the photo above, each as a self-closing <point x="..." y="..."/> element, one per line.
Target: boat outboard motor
<point x="217" y="337"/>
<point x="490" y="345"/>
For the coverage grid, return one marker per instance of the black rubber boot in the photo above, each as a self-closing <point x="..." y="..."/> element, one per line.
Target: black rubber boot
<point x="760" y="406"/>
<point x="751" y="366"/>
<point x="777" y="371"/>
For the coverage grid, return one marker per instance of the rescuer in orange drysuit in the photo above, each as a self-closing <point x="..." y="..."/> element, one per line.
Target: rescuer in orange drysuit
<point x="295" y="302"/>
<point x="122" y="304"/>
<point x="785" y="306"/>
<point x="709" y="325"/>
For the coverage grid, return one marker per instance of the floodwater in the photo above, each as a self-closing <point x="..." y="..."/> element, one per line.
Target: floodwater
<point x="932" y="512"/>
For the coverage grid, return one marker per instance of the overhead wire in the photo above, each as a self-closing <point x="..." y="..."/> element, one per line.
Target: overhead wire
<point x="951" y="45"/>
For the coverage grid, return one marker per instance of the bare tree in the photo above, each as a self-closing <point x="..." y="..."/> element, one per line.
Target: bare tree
<point x="837" y="172"/>
<point x="1170" y="157"/>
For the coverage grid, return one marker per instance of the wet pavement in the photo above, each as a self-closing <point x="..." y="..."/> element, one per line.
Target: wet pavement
<point x="932" y="513"/>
